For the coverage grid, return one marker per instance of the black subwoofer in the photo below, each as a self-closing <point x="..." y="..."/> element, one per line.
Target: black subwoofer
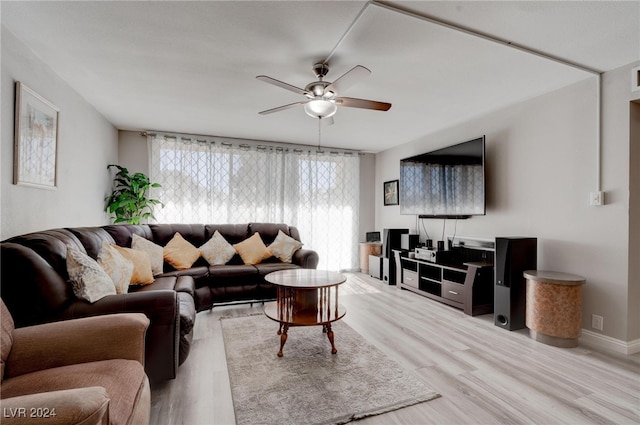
<point x="512" y="257"/>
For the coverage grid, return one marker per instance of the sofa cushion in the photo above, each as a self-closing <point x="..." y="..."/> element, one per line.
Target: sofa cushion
<point x="156" y="253"/>
<point x="31" y="289"/>
<point x="233" y="233"/>
<point x="78" y="406"/>
<point x="52" y="246"/>
<point x="217" y="251"/>
<point x="194" y="233"/>
<point x="92" y="239"/>
<point x="142" y="274"/>
<point x="6" y="337"/>
<point x="89" y="281"/>
<point x="283" y="247"/>
<point x="252" y="250"/>
<point x="268" y="231"/>
<point x="119" y="269"/>
<point x="122" y="234"/>
<point x="180" y="253"/>
<point x="266" y="268"/>
<point x="233" y="271"/>
<point x="124" y="381"/>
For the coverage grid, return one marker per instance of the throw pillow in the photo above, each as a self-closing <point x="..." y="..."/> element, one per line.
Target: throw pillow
<point x="142" y="274"/>
<point x="117" y="267"/>
<point x="180" y="253"/>
<point x="252" y="250"/>
<point x="88" y="280"/>
<point x="217" y="251"/>
<point x="155" y="253"/>
<point x="283" y="247"/>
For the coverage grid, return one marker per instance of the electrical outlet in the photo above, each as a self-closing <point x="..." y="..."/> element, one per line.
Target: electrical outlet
<point x="597" y="322"/>
<point x="596" y="198"/>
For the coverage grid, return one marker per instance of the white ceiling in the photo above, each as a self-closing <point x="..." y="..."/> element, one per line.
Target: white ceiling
<point x="190" y="67"/>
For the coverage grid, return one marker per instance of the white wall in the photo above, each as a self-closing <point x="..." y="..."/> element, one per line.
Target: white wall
<point x="541" y="166"/>
<point x="133" y="153"/>
<point x="634" y="221"/>
<point x="86" y="144"/>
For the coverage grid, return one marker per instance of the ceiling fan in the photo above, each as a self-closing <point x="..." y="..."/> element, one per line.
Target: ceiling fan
<point x="322" y="98"/>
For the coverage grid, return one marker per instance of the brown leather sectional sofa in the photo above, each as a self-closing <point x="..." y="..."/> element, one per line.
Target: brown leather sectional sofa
<point x="35" y="283"/>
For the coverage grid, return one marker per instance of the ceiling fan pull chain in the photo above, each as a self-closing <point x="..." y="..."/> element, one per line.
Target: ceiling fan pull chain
<point x="319" y="132"/>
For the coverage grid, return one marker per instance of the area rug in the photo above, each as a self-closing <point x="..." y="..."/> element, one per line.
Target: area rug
<point x="309" y="385"/>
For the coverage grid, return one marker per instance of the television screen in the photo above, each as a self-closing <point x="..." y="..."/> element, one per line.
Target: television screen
<point x="448" y="182"/>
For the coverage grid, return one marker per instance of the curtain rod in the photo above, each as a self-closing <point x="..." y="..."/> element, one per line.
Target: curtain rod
<point x="224" y="140"/>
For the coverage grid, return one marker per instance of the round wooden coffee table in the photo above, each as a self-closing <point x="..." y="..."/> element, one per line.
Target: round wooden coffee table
<point x="305" y="297"/>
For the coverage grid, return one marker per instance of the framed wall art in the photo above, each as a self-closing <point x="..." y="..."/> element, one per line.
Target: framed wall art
<point x="391" y="192"/>
<point x="36" y="140"/>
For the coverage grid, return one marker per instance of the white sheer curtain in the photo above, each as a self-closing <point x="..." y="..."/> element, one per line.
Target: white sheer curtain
<point x="206" y="180"/>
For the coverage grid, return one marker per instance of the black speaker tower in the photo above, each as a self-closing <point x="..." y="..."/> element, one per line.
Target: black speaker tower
<point x="512" y="257"/>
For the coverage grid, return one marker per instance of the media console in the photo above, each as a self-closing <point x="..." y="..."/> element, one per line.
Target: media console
<point x="464" y="280"/>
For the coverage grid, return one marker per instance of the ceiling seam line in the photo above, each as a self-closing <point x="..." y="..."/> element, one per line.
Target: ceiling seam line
<point x="598" y="74"/>
<point x="484" y="36"/>
<point x="346" y="33"/>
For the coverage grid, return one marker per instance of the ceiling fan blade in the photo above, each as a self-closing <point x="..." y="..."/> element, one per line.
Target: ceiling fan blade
<point x="348" y="79"/>
<point x="281" y="108"/>
<point x="282" y="84"/>
<point x="352" y="102"/>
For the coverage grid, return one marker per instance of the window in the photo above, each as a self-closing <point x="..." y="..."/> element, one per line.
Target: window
<point x="212" y="181"/>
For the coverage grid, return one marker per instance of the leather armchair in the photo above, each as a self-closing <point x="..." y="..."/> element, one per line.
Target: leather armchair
<point x="81" y="371"/>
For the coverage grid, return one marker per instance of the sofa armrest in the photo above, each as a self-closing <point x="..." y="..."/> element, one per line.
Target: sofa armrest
<point x="163" y="336"/>
<point x="306" y="258"/>
<point x="159" y="306"/>
<point x="86" y="406"/>
<point x="116" y="336"/>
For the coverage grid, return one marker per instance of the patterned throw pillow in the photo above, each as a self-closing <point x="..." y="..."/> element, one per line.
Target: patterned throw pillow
<point x="142" y="274"/>
<point x="217" y="251"/>
<point x="180" y="253"/>
<point x="283" y="247"/>
<point x="155" y="253"/>
<point x="119" y="269"/>
<point x="88" y="280"/>
<point x="252" y="250"/>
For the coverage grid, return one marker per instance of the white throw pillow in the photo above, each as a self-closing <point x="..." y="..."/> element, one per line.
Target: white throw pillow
<point x="217" y="251"/>
<point x="283" y="247"/>
<point x="89" y="281"/>
<point x="155" y="252"/>
<point x="119" y="269"/>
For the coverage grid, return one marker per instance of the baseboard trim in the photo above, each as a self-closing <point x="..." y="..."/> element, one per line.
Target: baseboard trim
<point x="611" y="344"/>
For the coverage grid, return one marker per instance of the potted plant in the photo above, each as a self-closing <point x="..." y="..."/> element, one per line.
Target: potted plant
<point x="129" y="201"/>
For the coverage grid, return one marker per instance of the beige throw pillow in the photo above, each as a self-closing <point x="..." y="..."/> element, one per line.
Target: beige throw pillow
<point x="217" y="251"/>
<point x="155" y="253"/>
<point x="252" y="250"/>
<point x="119" y="269"/>
<point x="142" y="274"/>
<point x="180" y="253"/>
<point x="283" y="247"/>
<point x="88" y="280"/>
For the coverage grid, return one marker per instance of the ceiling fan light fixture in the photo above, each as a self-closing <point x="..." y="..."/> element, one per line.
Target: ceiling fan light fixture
<point x="320" y="108"/>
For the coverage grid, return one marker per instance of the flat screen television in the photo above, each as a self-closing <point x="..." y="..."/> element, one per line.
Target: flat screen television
<point x="445" y="183"/>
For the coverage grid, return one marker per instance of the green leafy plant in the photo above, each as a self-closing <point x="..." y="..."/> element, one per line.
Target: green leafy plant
<point x="129" y="201"/>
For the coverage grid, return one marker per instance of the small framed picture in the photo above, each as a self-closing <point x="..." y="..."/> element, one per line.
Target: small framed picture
<point x="36" y="140"/>
<point x="391" y="192"/>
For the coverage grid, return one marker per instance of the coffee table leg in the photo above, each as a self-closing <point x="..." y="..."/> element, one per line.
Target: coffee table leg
<point x="283" y="339"/>
<point x="330" y="336"/>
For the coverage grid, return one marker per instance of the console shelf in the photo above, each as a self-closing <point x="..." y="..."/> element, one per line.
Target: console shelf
<point x="467" y="286"/>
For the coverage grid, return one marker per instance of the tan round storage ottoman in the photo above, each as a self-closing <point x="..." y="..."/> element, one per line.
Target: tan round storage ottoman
<point x="554" y="307"/>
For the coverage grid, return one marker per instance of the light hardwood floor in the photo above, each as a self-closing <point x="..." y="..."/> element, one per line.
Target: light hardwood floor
<point x="486" y="375"/>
